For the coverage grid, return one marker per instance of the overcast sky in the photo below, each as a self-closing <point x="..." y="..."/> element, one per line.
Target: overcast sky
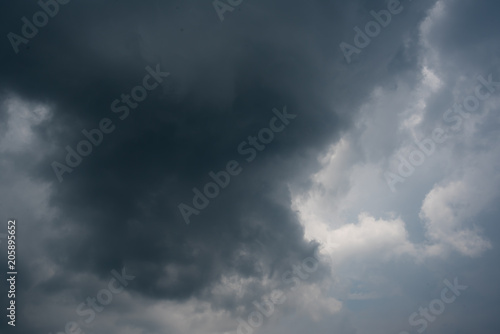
<point x="251" y="166"/>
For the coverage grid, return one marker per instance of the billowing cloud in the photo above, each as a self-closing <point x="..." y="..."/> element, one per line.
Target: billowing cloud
<point x="95" y="78"/>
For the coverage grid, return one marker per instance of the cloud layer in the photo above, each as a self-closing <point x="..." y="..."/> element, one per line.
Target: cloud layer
<point x="318" y="187"/>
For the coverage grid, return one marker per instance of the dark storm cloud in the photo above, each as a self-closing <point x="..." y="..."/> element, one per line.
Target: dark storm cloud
<point x="122" y="200"/>
<point x="119" y="206"/>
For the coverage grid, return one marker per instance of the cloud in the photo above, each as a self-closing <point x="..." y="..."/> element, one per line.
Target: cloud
<point x="318" y="185"/>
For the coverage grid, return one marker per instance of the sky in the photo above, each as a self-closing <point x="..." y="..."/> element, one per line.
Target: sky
<point x="250" y="166"/>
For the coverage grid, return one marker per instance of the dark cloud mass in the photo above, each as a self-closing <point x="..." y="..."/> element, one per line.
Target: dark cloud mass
<point x="317" y="187"/>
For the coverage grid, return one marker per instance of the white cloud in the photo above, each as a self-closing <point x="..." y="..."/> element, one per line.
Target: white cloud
<point x="22" y="116"/>
<point x="349" y="208"/>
